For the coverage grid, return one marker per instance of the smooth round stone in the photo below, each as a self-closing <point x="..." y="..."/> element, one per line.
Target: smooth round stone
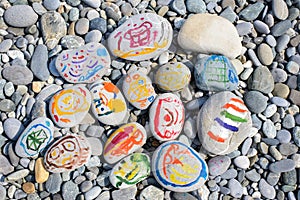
<point x="236" y="189"/>
<point x="41" y="174"/>
<point x="284" y="136"/>
<point x="85" y="64"/>
<point x="288" y="121"/>
<point x="280" y="9"/>
<point x="35" y="138"/>
<point x="13" y="128"/>
<point x="130" y="170"/>
<point x="5" y="45"/>
<point x="280" y="28"/>
<point x="218" y="165"/>
<point x="210" y="34"/>
<point x="138" y="90"/>
<point x="166" y="117"/>
<point x="293" y="67"/>
<point x="67" y="154"/>
<point x="5" y="166"/>
<point x="196" y="6"/>
<point x="99" y="24"/>
<point x="51" y="4"/>
<point x="255" y="101"/>
<point x="93" y="193"/>
<point x="38" y="64"/>
<point x="108" y="103"/>
<point x="93" y="3"/>
<point x="178" y="168"/>
<point x="266" y="189"/>
<point x="172" y="76"/>
<point x="125" y="140"/>
<point x="270" y="110"/>
<point x="70" y="190"/>
<point x="142" y="37"/>
<point x="252" y="175"/>
<point x="265" y="54"/>
<point x="288" y="149"/>
<point x="261" y="80"/>
<point x="17" y="175"/>
<point x="93" y="36"/>
<point x="281" y="90"/>
<point x="17" y="74"/>
<point x="280" y="101"/>
<point x="269" y="129"/>
<point x="82" y="26"/>
<point x="282" y="166"/>
<point x="152" y="193"/>
<point x="7" y="105"/>
<point x="215" y="73"/>
<point x="69" y="106"/>
<point x="96" y="144"/>
<point x="261" y="27"/>
<point x="223" y="123"/>
<point x="20" y="16"/>
<point x="53" y="184"/>
<point x="127" y="193"/>
<point x="28" y="187"/>
<point x="242" y="162"/>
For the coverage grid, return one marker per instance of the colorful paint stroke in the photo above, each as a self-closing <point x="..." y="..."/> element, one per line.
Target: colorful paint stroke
<point x="85" y="64"/>
<point x="178" y="167"/>
<point x="232" y="115"/>
<point x="68" y="153"/>
<point x="130" y="171"/>
<point x="108" y="103"/>
<point x="124" y="141"/>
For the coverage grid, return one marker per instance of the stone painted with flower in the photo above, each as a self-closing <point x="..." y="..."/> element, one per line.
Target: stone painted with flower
<point x="178" y="167"/>
<point x="141" y="37"/>
<point x="86" y="64"/>
<point x="130" y="170"/>
<point x="166" y="117"/>
<point x="69" y="106"/>
<point x="138" y="90"/>
<point x="108" y="103"/>
<point x="172" y="76"/>
<point x="67" y="154"/>
<point x="224" y="122"/>
<point x="124" y="141"/>
<point x="35" y="138"/>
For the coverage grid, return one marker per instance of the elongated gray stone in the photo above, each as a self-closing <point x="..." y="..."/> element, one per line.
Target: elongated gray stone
<point x="39" y="63"/>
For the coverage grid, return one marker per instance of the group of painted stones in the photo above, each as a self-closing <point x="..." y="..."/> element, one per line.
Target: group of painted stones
<point x="223" y="121"/>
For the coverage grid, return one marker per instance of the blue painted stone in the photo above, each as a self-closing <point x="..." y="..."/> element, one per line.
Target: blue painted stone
<point x="215" y="73"/>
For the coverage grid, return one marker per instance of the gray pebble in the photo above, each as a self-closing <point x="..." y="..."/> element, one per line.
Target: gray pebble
<point x="229" y="174"/>
<point x="244" y="28"/>
<point x="53" y="184"/>
<point x="270" y="110"/>
<point x="261" y="80"/>
<point x="5" y="166"/>
<point x="236" y="189"/>
<point x="280" y="28"/>
<point x="93" y="3"/>
<point x="98" y="24"/>
<point x="70" y="190"/>
<point x="282" y="42"/>
<point x="288" y="121"/>
<point x="273" y="178"/>
<point x="282" y="166"/>
<point x="2" y="192"/>
<point x="280" y="9"/>
<point x="290" y="178"/>
<point x="266" y="190"/>
<point x="7" y="105"/>
<point x="74" y="14"/>
<point x="253" y="57"/>
<point x="252" y="11"/>
<point x="51" y="4"/>
<point x="93" y="36"/>
<point x="253" y="176"/>
<point x="255" y="101"/>
<point x="82" y="26"/>
<point x="279" y="75"/>
<point x="2" y="84"/>
<point x="72" y="41"/>
<point x="246" y="146"/>
<point x="86" y="186"/>
<point x="126" y="9"/>
<point x="196" y="6"/>
<point x="292" y="67"/>
<point x="13" y="128"/>
<point x="9" y="89"/>
<point x="269" y="129"/>
<point x="93" y="193"/>
<point x="288" y="149"/>
<point x="261" y="27"/>
<point x="73" y="2"/>
<point x="5" y="45"/>
<point x="293" y="13"/>
<point x="284" y="136"/>
<point x="296" y="135"/>
<point x="17" y="175"/>
<point x="281" y="102"/>
<point x="39" y="9"/>
<point x="229" y="14"/>
<point x="275" y="153"/>
<point x="20" y="16"/>
<point x="271" y="40"/>
<point x="127" y="193"/>
<point x="17" y="74"/>
<point x="39" y="63"/>
<point x="178" y="6"/>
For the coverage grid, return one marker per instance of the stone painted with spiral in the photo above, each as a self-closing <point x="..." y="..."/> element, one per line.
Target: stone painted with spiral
<point x="142" y="37"/>
<point x="178" y="167"/>
<point x="86" y="64"/>
<point x="68" y="153"/>
<point x="130" y="170"/>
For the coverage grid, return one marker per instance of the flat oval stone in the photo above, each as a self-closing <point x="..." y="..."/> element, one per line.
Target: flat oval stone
<point x="125" y="140"/>
<point x="215" y="73"/>
<point x="68" y="153"/>
<point x="108" y="103"/>
<point x="166" y="117"/>
<point x="130" y="170"/>
<point x="69" y="106"/>
<point x="17" y="74"/>
<point x="142" y="37"/>
<point x="223" y="123"/>
<point x="85" y="64"/>
<point x="20" y="16"/>
<point x="173" y="76"/>
<point x="178" y="167"/>
<point x="138" y="90"/>
<point x="37" y="135"/>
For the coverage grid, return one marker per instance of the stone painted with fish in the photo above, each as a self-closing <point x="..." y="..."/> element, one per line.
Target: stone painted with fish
<point x="166" y="117"/>
<point x="35" y="138"/>
<point x="223" y="123"/>
<point x="142" y="37"/>
<point x="69" y="106"/>
<point x="215" y="73"/>
<point x="172" y="76"/>
<point x="86" y="64"/>
<point x="68" y="153"/>
<point x="178" y="167"/>
<point x="130" y="170"/>
<point x="108" y="103"/>
<point x="124" y="141"/>
<point x="138" y="90"/>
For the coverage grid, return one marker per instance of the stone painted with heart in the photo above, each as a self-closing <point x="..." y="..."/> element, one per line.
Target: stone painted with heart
<point x="223" y="123"/>
<point x="35" y="138"/>
<point x="86" y="64"/>
<point x="68" y="153"/>
<point x="142" y="37"/>
<point x="124" y="141"/>
<point x="178" y="167"/>
<point x="138" y="90"/>
<point x="215" y="73"/>
<point x="166" y="117"/>
<point x="69" y="106"/>
<point x="130" y="170"/>
<point x="108" y="103"/>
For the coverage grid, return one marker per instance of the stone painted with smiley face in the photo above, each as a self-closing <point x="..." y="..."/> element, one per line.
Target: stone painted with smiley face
<point x="142" y="37"/>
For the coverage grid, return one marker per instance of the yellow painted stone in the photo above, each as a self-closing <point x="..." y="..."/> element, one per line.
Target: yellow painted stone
<point x="28" y="187"/>
<point x="41" y="174"/>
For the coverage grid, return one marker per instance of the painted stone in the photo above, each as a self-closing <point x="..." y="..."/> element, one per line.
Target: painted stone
<point x="138" y="90"/>
<point x="223" y="123"/>
<point x="108" y="103"/>
<point x="172" y="76"/>
<point x="178" y="167"/>
<point x="34" y="139"/>
<point x="215" y="73"/>
<point x="69" y="106"/>
<point x="125" y="140"/>
<point x="85" y="64"/>
<point x="68" y="153"/>
<point x="166" y="117"/>
<point x="143" y="36"/>
<point x="130" y="170"/>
